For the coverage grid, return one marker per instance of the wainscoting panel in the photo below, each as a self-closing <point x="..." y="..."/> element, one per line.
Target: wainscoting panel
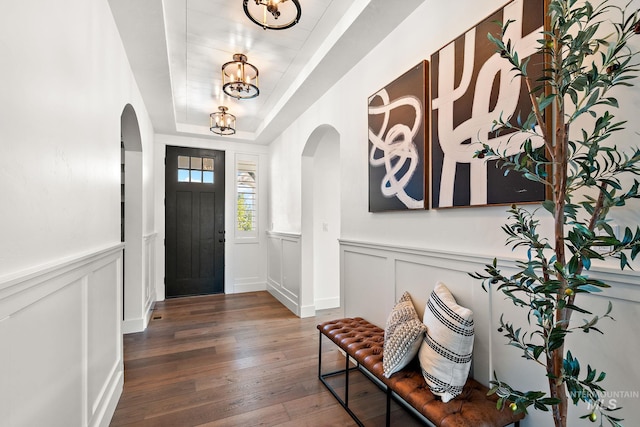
<point x="291" y="267"/>
<point x="103" y="335"/>
<point x="61" y="356"/>
<point x="283" y="269"/>
<point x="149" y="275"/>
<point x="419" y="279"/>
<point x="374" y="276"/>
<point x="366" y="275"/>
<point x="274" y="262"/>
<point x="47" y="348"/>
<point x="248" y="271"/>
<point x="140" y="279"/>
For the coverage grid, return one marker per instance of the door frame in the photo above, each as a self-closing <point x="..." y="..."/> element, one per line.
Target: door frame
<point x="220" y="186"/>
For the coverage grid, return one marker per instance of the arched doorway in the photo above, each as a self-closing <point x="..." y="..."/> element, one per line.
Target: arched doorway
<point x="133" y="312"/>
<point x="321" y="219"/>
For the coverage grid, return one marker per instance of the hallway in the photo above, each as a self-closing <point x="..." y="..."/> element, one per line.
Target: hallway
<point x="238" y="360"/>
<point x="232" y="360"/>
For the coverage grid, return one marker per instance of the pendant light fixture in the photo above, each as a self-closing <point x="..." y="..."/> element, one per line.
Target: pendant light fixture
<point x="222" y="122"/>
<point x="273" y="14"/>
<point x="239" y="78"/>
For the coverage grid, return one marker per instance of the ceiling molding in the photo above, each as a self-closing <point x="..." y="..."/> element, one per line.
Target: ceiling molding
<point x="341" y="36"/>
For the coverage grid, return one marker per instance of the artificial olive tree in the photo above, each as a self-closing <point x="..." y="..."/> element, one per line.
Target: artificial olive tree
<point x="569" y="150"/>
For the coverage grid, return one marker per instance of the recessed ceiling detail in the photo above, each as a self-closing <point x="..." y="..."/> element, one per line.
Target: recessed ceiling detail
<point x="176" y="48"/>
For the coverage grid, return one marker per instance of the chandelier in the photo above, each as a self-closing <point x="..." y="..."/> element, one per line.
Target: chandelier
<point x="222" y="122"/>
<point x="273" y="14"/>
<point x="239" y="78"/>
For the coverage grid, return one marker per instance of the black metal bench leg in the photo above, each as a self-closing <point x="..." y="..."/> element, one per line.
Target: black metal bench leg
<point x="388" y="419"/>
<point x="320" y="355"/>
<point x="322" y="376"/>
<point x="346" y="381"/>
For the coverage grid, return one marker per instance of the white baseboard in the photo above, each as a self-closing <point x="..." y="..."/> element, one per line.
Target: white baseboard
<point x="132" y="326"/>
<point x="307" y="311"/>
<point x="249" y="287"/>
<point x="286" y="301"/>
<point x="325" y="303"/>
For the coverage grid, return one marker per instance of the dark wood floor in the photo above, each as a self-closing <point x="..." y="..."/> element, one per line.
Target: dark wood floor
<point x="236" y="360"/>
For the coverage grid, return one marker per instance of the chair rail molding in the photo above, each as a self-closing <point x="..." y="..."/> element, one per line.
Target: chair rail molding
<point x="63" y="364"/>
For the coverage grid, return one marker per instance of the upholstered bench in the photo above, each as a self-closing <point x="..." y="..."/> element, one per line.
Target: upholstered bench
<point x="363" y="342"/>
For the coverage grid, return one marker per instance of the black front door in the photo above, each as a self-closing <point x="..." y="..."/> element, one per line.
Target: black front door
<point x="194" y="215"/>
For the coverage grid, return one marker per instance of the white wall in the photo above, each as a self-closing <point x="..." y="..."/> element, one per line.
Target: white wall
<point x="63" y="94"/>
<point x="245" y="258"/>
<point x="461" y="234"/>
<point x="65" y="81"/>
<point x="342" y="107"/>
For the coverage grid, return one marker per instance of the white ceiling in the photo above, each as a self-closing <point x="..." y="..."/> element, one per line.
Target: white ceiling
<point x="176" y="49"/>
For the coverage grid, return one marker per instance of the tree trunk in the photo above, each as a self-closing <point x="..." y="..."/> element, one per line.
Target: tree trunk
<point x="556" y="358"/>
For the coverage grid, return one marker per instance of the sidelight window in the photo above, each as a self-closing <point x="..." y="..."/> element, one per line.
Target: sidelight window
<point x="247" y="197"/>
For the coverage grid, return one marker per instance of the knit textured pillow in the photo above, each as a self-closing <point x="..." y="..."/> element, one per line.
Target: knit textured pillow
<point x="403" y="335"/>
<point x="445" y="353"/>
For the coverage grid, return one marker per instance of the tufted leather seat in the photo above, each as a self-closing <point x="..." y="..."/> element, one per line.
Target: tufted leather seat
<point x="364" y="341"/>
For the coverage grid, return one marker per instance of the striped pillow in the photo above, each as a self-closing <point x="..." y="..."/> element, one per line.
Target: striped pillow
<point x="445" y="352"/>
<point x="403" y="335"/>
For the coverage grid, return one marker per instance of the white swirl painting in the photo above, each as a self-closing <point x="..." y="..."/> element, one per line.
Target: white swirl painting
<point x="397" y="134"/>
<point x="471" y="86"/>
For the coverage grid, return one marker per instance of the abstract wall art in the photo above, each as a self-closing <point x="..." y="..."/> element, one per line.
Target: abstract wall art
<point x="398" y="126"/>
<point x="471" y="86"/>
